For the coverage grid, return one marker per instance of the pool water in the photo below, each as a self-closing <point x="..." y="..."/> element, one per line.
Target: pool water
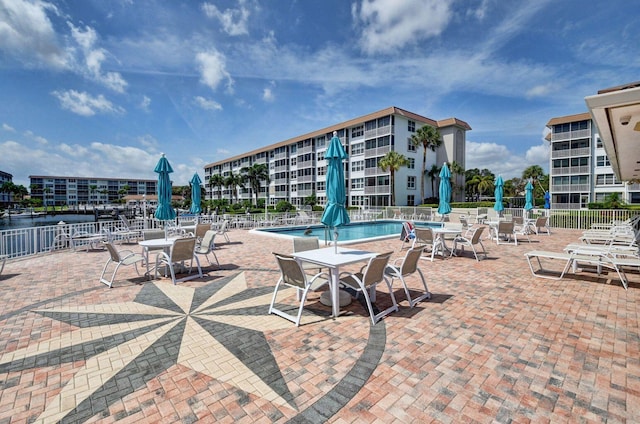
<point x="348" y="233"/>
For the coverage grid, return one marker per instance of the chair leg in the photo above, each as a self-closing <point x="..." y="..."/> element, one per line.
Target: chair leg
<point x="104" y="269"/>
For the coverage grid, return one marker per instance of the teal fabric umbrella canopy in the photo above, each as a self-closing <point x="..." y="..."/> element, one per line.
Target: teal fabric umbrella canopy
<point x="498" y="206"/>
<point x="528" y="196"/>
<point x="195" y="194"/>
<point x="164" y="211"/>
<point x="444" y="190"/>
<point x="335" y="213"/>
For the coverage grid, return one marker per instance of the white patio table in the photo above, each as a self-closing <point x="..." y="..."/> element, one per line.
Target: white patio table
<point x="328" y="258"/>
<point x="439" y="243"/>
<point x="164" y="243"/>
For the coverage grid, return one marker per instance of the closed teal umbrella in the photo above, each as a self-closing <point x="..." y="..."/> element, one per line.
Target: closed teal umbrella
<point x="444" y="190"/>
<point x="195" y="194"/>
<point x="164" y="212"/>
<point x="528" y="197"/>
<point x="335" y="213"/>
<point x="499" y="207"/>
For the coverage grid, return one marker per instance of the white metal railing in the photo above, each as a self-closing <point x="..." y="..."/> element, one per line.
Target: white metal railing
<point x="571" y="135"/>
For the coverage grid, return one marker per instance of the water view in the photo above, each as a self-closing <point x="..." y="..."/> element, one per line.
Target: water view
<point x="13" y="223"/>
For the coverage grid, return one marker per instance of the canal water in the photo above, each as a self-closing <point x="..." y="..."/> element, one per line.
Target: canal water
<point x="42" y="221"/>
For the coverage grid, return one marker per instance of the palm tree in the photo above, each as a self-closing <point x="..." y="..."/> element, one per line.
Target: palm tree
<point x="391" y="162"/>
<point x="8" y="187"/>
<point x="433" y="174"/>
<point x="255" y="175"/>
<point x="123" y="192"/>
<point x="429" y="138"/>
<point x="217" y="180"/>
<point x="232" y="182"/>
<point x="92" y="189"/>
<point x="536" y="173"/>
<point x="456" y="169"/>
<point x="485" y="184"/>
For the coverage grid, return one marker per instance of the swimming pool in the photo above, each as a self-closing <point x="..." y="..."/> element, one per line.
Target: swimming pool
<point x="353" y="232"/>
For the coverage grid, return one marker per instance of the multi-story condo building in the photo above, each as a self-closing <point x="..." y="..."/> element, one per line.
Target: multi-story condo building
<point x="580" y="171"/>
<point x="297" y="167"/>
<point x="58" y="191"/>
<point x="5" y="198"/>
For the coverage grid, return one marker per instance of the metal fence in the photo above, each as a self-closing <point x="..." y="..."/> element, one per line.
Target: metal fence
<point x="23" y="242"/>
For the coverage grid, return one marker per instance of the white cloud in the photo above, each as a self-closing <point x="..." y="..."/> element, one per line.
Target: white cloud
<point x="37" y="138"/>
<point x="234" y="21"/>
<point x="27" y="34"/>
<point x="207" y="104"/>
<point x="212" y="67"/>
<point x="387" y="25"/>
<point x="94" y="58"/>
<point x="75" y="151"/>
<point x="500" y="160"/>
<point x="145" y="103"/>
<point x="8" y="127"/>
<point x="149" y="142"/>
<point x="84" y="104"/>
<point x="267" y="92"/>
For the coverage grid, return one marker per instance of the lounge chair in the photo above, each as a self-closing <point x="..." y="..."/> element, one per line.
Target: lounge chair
<point x="540" y="224"/>
<point x="292" y="275"/>
<point x="586" y="257"/>
<point x="408" y="266"/>
<point x="123" y="257"/>
<point x="505" y="228"/>
<point x="207" y="245"/>
<point x="224" y="228"/>
<point x="183" y="250"/>
<point x="367" y="279"/>
<point x="472" y="240"/>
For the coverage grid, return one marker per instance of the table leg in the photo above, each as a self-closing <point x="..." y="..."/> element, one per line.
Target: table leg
<point x="335" y="299"/>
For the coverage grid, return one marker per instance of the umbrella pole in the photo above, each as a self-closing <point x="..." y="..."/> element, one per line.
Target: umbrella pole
<point x="335" y="240"/>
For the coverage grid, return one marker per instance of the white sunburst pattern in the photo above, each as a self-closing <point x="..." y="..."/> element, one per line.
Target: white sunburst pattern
<point x="217" y="330"/>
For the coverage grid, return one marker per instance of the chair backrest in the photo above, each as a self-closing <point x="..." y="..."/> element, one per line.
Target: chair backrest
<point x="201" y="229"/>
<point x="477" y="233"/>
<point x="291" y="272"/>
<point x="207" y="241"/>
<point x="300" y="244"/>
<point x="152" y="234"/>
<point x="182" y="249"/>
<point x="424" y="235"/>
<point x="115" y="255"/>
<point x="125" y="221"/>
<point x="518" y="220"/>
<point x="223" y="227"/>
<point x="410" y="261"/>
<point x="541" y="221"/>
<point x="464" y="222"/>
<point x="505" y="227"/>
<point x="375" y="269"/>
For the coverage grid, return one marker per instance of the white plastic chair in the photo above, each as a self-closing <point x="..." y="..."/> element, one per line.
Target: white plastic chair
<point x="123" y="257"/>
<point x="407" y="267"/>
<point x="292" y="275"/>
<point x="182" y="250"/>
<point x="366" y="280"/>
<point x="475" y="239"/>
<point x="207" y="245"/>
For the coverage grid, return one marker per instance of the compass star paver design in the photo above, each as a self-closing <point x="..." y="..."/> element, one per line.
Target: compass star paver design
<point x="216" y="330"/>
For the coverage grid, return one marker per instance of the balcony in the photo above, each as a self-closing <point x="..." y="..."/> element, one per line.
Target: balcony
<point x="384" y="189"/>
<point x="378" y="132"/>
<point x="571" y="170"/>
<point x="378" y="151"/>
<point x="571" y="135"/>
<point x="570" y="188"/>
<point x="582" y="151"/>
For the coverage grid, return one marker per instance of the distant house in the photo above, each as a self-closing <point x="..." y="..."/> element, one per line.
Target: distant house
<point x="6" y="199"/>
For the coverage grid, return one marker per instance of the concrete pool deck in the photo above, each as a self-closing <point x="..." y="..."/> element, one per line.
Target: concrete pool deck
<point x="494" y="344"/>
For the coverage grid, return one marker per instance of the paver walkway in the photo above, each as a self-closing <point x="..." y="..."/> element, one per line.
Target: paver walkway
<point x="494" y="344"/>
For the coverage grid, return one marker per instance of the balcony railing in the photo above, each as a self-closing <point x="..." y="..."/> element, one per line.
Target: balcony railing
<point x="381" y="189"/>
<point x="378" y="151"/>
<point x="571" y="135"/>
<point x="378" y="131"/>
<point x="573" y="188"/>
<point x="582" y="151"/>
<point x="571" y="170"/>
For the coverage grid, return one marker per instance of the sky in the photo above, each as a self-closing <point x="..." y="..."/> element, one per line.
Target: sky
<point x="95" y="88"/>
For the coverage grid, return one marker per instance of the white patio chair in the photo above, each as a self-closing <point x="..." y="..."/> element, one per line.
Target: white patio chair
<point x="207" y="245"/>
<point x="472" y="241"/>
<point x="224" y="228"/>
<point x="425" y="238"/>
<point x="407" y="267"/>
<point x="366" y="281"/>
<point x="123" y="257"/>
<point x="292" y="275"/>
<point x="182" y="250"/>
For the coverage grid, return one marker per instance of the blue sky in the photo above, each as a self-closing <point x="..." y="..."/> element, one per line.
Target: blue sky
<point x="102" y="88"/>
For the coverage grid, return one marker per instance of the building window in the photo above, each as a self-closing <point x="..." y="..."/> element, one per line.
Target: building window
<point x="357" y="131"/>
<point x="411" y="182"/>
<point x="606" y="179"/>
<point x="603" y="161"/>
<point x="411" y="200"/>
<point x="357" y="184"/>
<point x="294" y="161"/>
<point x="411" y="127"/>
<point x="410" y="146"/>
<point x="322" y="170"/>
<point x="321" y="185"/>
<point x="598" y="143"/>
<point x="357" y="149"/>
<point x="357" y="166"/>
<point x="412" y="163"/>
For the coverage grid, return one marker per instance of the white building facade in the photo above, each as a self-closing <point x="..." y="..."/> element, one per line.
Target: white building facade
<point x="60" y="191"/>
<point x="579" y="168"/>
<point x="297" y="168"/>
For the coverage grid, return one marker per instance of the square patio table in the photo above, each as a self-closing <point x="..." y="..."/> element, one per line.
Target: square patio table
<point x="328" y="258"/>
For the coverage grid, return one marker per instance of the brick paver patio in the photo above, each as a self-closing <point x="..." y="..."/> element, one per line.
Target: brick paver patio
<point x="494" y="344"/>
